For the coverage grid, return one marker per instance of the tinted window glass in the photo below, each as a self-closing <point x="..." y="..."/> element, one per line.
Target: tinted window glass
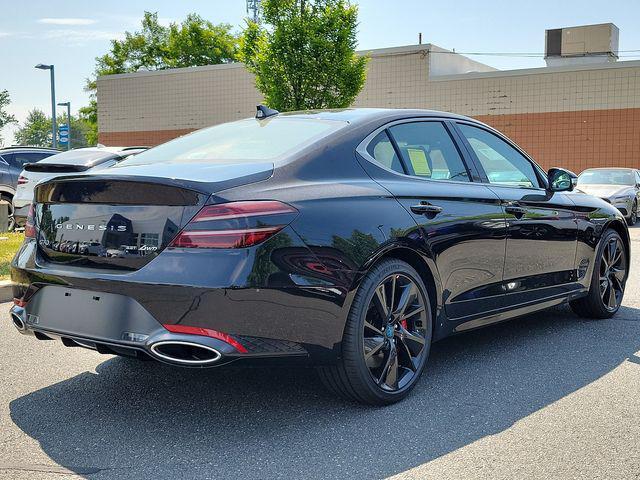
<point x="382" y="150"/>
<point x="638" y="177"/>
<point x="245" y="141"/>
<point x="502" y="163"/>
<point x="20" y="158"/>
<point x="428" y="151"/>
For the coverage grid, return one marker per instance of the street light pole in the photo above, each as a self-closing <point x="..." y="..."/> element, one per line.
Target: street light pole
<point x="54" y="139"/>
<point x="68" y="105"/>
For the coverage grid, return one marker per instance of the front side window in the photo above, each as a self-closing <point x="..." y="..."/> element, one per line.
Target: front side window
<point x="428" y="151"/>
<point x="502" y="163"/>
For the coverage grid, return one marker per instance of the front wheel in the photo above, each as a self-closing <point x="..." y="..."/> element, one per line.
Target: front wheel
<point x="387" y="337"/>
<point x="608" y="280"/>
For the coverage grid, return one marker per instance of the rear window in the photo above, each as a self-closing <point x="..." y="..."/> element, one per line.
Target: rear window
<point x="246" y="140"/>
<point x="80" y="157"/>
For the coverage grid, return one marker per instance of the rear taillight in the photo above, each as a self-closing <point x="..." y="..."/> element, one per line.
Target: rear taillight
<point x="22" y="180"/>
<point x="235" y="224"/>
<point x="30" y="226"/>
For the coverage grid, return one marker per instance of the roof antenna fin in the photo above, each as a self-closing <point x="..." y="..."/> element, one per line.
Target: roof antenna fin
<point x="264" y="112"/>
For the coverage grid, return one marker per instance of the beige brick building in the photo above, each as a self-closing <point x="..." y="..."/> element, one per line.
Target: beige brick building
<point x="575" y="116"/>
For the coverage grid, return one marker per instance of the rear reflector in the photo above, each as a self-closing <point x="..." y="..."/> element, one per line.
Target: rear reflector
<point x="207" y="332"/>
<point x="235" y="224"/>
<point x="29" y="226"/>
<point x="20" y="302"/>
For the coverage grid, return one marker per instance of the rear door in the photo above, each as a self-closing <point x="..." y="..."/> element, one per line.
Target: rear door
<point x="542" y="229"/>
<point x="460" y="223"/>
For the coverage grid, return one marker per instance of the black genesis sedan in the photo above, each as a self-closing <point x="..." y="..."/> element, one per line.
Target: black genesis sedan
<point x="348" y="240"/>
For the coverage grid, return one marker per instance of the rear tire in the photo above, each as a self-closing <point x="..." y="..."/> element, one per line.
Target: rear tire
<point x="378" y="365"/>
<point x="607" y="281"/>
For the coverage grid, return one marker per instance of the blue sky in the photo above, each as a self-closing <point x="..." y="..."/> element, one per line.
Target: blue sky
<point x="71" y="33"/>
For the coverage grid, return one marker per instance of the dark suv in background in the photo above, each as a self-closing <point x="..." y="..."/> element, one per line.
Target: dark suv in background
<point x="12" y="161"/>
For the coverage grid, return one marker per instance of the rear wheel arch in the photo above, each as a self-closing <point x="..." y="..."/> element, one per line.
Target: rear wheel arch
<point x="429" y="277"/>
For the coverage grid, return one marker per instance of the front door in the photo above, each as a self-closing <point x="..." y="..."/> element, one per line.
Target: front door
<point x="540" y="258"/>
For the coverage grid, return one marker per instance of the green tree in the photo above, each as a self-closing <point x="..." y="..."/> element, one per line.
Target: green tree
<point x="5" y="118"/>
<point x="36" y="130"/>
<point x="304" y="58"/>
<point x="193" y="42"/>
<point x="199" y="42"/>
<point x="89" y="116"/>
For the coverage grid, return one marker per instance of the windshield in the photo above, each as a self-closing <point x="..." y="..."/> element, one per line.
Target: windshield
<point x="245" y="140"/>
<point x="606" y="177"/>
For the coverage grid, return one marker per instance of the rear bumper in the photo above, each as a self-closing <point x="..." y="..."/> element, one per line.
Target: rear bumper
<point x="269" y="315"/>
<point x="119" y="325"/>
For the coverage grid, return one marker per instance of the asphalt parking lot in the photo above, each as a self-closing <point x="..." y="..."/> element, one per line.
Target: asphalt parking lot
<point x="545" y="396"/>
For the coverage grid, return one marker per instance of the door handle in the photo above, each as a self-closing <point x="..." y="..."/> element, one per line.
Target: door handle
<point x="515" y="209"/>
<point x="426" y="209"/>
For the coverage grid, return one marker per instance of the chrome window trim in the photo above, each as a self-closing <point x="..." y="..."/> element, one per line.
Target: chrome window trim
<point x="361" y="149"/>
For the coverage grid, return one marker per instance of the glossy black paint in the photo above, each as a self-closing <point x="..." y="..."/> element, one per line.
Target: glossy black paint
<point x="482" y="260"/>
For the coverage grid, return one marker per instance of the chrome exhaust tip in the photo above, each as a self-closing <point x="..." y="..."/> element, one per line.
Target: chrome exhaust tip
<point x="18" y="322"/>
<point x="185" y="353"/>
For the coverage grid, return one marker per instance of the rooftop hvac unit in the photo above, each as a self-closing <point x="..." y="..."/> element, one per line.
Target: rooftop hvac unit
<point x="581" y="45"/>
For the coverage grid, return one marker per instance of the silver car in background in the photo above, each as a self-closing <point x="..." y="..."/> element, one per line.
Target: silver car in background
<point x="618" y="186"/>
<point x="66" y="163"/>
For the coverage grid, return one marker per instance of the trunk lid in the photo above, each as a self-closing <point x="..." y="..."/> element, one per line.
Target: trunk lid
<point x="122" y="220"/>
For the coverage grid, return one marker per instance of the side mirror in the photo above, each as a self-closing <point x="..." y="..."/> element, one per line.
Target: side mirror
<point x="561" y="180"/>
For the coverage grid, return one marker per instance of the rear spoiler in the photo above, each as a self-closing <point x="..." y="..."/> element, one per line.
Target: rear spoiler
<point x="55" y="168"/>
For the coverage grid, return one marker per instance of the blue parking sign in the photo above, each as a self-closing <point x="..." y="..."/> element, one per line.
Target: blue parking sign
<point x="63" y="134"/>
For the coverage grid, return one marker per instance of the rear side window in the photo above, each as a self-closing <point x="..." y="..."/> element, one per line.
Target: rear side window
<point x="20" y="158"/>
<point x="502" y="163"/>
<point x="381" y="149"/>
<point x="243" y="141"/>
<point x="428" y="151"/>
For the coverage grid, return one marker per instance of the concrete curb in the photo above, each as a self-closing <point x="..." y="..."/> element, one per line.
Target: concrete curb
<point x="6" y="292"/>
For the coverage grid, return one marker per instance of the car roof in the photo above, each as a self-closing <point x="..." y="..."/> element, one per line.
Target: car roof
<point x="363" y="115"/>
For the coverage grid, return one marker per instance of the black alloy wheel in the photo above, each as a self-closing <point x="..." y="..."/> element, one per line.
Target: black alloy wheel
<point x="394" y="332"/>
<point x="613" y="273"/>
<point x="387" y="337"/>
<point x="633" y="218"/>
<point x="608" y="279"/>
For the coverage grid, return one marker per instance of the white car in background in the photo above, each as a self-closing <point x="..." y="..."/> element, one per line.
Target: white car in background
<point x="62" y="164"/>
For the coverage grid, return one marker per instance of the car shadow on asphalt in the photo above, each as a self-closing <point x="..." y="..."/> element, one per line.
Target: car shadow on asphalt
<point x="141" y="419"/>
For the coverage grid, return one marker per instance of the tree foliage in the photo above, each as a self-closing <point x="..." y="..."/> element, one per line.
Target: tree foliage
<point x="193" y="42"/>
<point x="36" y="130"/>
<point x="303" y="54"/>
<point x="5" y="117"/>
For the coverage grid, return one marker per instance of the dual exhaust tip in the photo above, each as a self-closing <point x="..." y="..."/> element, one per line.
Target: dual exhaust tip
<point x="18" y="322"/>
